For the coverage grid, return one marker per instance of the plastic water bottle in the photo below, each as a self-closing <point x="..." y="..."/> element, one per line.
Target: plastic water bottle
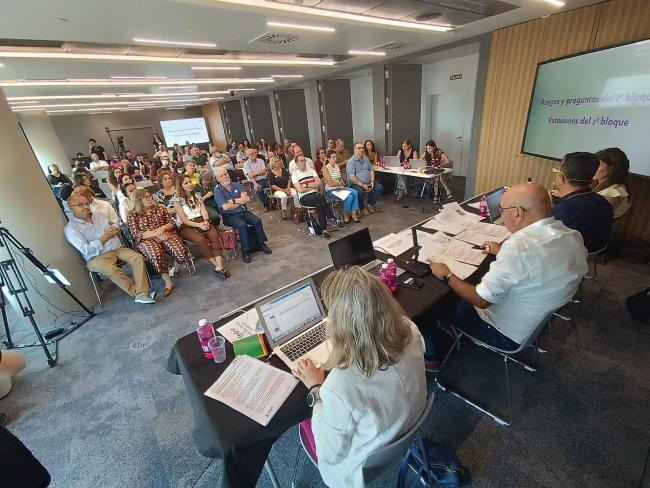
<point x="482" y="207"/>
<point x="382" y="164"/>
<point x="205" y="331"/>
<point x="383" y="275"/>
<point x="391" y="275"/>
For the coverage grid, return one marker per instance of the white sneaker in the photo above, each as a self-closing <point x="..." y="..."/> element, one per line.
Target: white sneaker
<point x="144" y="299"/>
<point x="153" y="294"/>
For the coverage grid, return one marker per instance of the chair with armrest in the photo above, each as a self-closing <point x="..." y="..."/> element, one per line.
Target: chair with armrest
<point x="507" y="356"/>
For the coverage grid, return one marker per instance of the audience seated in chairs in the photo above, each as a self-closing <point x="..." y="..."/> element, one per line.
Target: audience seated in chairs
<point x="375" y="388"/>
<point x="165" y="196"/>
<point x="241" y="154"/>
<point x="611" y="177"/>
<point x="59" y="182"/>
<point x="97" y="241"/>
<point x="361" y="177"/>
<point x="436" y="158"/>
<point x="97" y="164"/>
<point x="232" y="201"/>
<point x="320" y="160"/>
<point x="334" y="182"/>
<point x="217" y="158"/>
<point x="154" y="233"/>
<point x="195" y="225"/>
<point x="576" y="205"/>
<point x="280" y="183"/>
<point x="190" y="170"/>
<point x="204" y="190"/>
<point x="297" y="151"/>
<point x="342" y="153"/>
<point x="98" y="206"/>
<point x="256" y="172"/>
<point x="537" y="270"/>
<point x="307" y="184"/>
<point x="370" y="151"/>
<point x="276" y="150"/>
<point x="114" y="182"/>
<point x="126" y="190"/>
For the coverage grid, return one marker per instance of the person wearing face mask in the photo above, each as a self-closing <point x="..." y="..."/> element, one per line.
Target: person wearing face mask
<point x="232" y="201"/>
<point x="576" y="205"/>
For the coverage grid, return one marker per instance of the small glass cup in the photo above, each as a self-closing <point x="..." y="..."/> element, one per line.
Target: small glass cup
<point x="217" y="346"/>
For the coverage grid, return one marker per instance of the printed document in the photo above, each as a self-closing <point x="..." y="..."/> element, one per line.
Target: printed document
<point x="253" y="388"/>
<point x="395" y="244"/>
<point x="449" y="228"/>
<point x="462" y="270"/>
<point x="244" y="325"/>
<point x="342" y="194"/>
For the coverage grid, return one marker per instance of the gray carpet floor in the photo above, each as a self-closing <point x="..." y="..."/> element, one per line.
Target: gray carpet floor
<point x="110" y="415"/>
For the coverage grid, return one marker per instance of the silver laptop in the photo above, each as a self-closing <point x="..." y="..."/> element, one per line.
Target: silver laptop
<point x="417" y="163"/>
<point x="493" y="200"/>
<point x="392" y="161"/>
<point x="294" y="324"/>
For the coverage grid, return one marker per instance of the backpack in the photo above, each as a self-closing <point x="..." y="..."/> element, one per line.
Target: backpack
<point x="639" y="305"/>
<point x="313" y="226"/>
<point x="434" y="463"/>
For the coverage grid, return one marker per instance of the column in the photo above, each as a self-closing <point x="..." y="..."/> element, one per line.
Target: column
<point x="30" y="212"/>
<point x="45" y="141"/>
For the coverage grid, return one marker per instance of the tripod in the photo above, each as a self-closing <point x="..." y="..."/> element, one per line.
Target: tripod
<point x="13" y="283"/>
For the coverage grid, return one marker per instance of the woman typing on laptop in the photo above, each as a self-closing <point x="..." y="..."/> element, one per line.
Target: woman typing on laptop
<point x="375" y="389"/>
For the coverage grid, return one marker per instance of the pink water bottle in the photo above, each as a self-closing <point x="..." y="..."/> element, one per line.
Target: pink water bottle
<point x="391" y="275"/>
<point x="482" y="207"/>
<point x="382" y="164"/>
<point x="205" y="331"/>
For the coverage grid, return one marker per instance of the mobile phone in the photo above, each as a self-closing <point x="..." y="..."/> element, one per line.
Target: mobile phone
<point x="411" y="282"/>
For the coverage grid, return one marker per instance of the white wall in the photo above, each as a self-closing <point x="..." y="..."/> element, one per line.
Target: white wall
<point x="362" y="109"/>
<point x="435" y="81"/>
<point x="44" y="141"/>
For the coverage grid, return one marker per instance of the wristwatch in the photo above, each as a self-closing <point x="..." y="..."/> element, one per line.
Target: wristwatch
<point x="313" y="396"/>
<point x="446" y="278"/>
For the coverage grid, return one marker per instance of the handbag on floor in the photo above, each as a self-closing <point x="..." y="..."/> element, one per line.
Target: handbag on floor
<point x="639" y="305"/>
<point x="434" y="463"/>
<point x="228" y="237"/>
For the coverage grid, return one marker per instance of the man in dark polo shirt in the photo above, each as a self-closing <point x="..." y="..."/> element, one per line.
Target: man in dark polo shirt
<point x="576" y="205"/>
<point x="95" y="148"/>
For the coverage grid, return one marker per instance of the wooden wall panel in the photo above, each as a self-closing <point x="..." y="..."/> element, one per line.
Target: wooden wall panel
<point x="514" y="55"/>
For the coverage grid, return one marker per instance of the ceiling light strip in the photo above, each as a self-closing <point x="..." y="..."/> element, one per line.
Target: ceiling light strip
<point x="357" y="52"/>
<point x="174" y="43"/>
<point x="102" y="104"/>
<point x="34" y="98"/>
<point x="106" y="82"/>
<point x="334" y="14"/>
<point x="301" y="26"/>
<point x="286" y="76"/>
<point x="161" y="59"/>
<point x="219" y="68"/>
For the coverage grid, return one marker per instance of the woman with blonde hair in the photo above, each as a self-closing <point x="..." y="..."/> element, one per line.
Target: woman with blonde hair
<point x="154" y="233"/>
<point x="375" y="390"/>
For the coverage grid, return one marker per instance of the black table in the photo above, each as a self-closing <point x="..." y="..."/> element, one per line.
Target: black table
<point x="243" y="444"/>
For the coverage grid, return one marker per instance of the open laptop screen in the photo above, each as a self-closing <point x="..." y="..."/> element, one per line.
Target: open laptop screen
<point x="355" y="249"/>
<point x="285" y="314"/>
<point x="493" y="200"/>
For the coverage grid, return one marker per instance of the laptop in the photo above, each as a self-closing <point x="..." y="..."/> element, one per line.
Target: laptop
<point x="417" y="163"/>
<point x="392" y="162"/>
<point x="493" y="200"/>
<point x="357" y="250"/>
<point x="294" y="324"/>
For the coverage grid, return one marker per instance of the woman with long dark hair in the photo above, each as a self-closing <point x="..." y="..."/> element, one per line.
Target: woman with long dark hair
<point x="370" y="151"/>
<point x="611" y="177"/>
<point x="436" y="158"/>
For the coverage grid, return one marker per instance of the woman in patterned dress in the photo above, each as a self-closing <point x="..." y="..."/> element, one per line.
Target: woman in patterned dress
<point x="154" y="233"/>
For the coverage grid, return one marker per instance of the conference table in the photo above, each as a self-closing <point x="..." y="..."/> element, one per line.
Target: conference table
<point x="243" y="444"/>
<point x="415" y="173"/>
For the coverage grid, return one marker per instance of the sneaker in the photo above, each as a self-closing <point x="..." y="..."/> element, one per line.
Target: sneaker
<point x="153" y="294"/>
<point x="146" y="299"/>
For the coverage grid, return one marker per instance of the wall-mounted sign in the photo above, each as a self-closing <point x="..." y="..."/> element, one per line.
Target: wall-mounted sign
<point x="456" y="77"/>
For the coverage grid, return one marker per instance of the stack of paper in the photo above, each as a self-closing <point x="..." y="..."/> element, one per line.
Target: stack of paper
<point x="395" y="244"/>
<point x="461" y="270"/>
<point x="439" y="246"/>
<point x="253" y="388"/>
<point x="245" y="325"/>
<point x="452" y="219"/>
<point x="480" y="233"/>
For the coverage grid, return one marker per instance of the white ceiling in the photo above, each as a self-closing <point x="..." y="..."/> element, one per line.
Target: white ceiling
<point x="101" y="27"/>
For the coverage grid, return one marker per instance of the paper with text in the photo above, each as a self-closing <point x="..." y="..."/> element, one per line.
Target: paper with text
<point x="253" y="388"/>
<point x="462" y="270"/>
<point x="244" y="325"/>
<point x="342" y="194"/>
<point x="449" y="228"/>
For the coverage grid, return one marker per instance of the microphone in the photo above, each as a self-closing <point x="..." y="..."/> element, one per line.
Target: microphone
<point x="413" y="265"/>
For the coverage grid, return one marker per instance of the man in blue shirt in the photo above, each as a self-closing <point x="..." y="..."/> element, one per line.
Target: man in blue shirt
<point x="576" y="205"/>
<point x="232" y="200"/>
<point x="361" y="177"/>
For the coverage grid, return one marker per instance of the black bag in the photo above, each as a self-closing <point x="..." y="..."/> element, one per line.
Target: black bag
<point x="314" y="227"/>
<point x="434" y="463"/>
<point x="639" y="305"/>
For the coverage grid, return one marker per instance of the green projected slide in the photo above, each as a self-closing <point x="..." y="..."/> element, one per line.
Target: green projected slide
<point x="593" y="101"/>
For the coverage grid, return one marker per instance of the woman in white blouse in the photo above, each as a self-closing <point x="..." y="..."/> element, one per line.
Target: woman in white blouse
<point x="375" y="390"/>
<point x="610" y="178"/>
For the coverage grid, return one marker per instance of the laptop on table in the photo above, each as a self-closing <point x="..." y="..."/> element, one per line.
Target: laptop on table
<point x="357" y="250"/>
<point x="294" y="324"/>
<point x="417" y="163"/>
<point x="392" y="162"/>
<point x="493" y="200"/>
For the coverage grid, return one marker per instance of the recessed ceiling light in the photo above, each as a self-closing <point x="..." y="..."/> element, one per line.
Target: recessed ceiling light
<point x="286" y="76"/>
<point x="220" y="68"/>
<point x="335" y="14"/>
<point x="557" y="3"/>
<point x="2" y="65"/>
<point x="21" y="102"/>
<point x="108" y="82"/>
<point x="33" y="99"/>
<point x="93" y="105"/>
<point x="357" y="52"/>
<point x="164" y="59"/>
<point x="138" y="77"/>
<point x="174" y="43"/>
<point x="301" y="26"/>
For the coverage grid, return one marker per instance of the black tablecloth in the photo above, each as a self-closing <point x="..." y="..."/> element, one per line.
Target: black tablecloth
<point x="221" y="432"/>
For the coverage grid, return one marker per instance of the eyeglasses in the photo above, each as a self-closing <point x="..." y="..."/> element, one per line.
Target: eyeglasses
<point x="501" y="209"/>
<point x="360" y="148"/>
<point x="80" y="205"/>
<point x="557" y="170"/>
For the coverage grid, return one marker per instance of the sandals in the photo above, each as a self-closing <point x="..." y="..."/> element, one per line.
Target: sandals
<point x="223" y="274"/>
<point x="450" y="196"/>
<point x="167" y="292"/>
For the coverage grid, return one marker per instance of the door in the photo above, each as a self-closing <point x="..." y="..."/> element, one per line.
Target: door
<point x="450" y="125"/>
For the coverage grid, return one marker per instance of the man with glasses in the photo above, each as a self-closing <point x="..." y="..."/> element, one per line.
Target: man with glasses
<point x="361" y="177"/>
<point x="576" y="205"/>
<point x="298" y="152"/>
<point x="537" y="270"/>
<point x="256" y="172"/>
<point x="96" y="239"/>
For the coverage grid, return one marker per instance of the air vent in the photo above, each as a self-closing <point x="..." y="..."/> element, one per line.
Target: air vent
<point x="278" y="39"/>
<point x="428" y="17"/>
<point x="393" y="46"/>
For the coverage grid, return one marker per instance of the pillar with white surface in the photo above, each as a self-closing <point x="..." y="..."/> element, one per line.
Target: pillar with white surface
<point x="44" y="141"/>
<point x="30" y="212"/>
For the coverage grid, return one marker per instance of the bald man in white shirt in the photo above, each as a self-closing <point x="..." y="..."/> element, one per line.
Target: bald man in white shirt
<point x="537" y="270"/>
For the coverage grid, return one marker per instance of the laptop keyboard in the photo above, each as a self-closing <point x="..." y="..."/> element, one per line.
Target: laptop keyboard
<point x="375" y="269"/>
<point x="305" y="343"/>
